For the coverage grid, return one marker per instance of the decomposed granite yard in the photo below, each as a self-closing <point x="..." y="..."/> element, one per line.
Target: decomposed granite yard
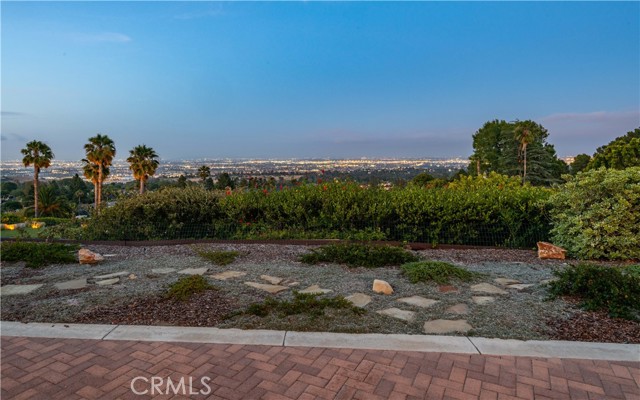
<point x="508" y="299"/>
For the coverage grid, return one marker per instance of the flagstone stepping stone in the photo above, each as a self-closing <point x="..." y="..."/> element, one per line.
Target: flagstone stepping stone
<point x="404" y="315"/>
<point x="359" y="299"/>
<point x="274" y="280"/>
<point x="8" y="290"/>
<point x="109" y="276"/>
<point x="194" y="271"/>
<point x="482" y="300"/>
<point x="447" y="326"/>
<point x="108" y="282"/>
<point x="293" y="284"/>
<point x="315" y="289"/>
<point x="520" y="286"/>
<point x="74" y="284"/>
<point x="460" y="308"/>
<point x="273" y="289"/>
<point x="447" y="289"/>
<point x="163" y="270"/>
<point x="487" y="288"/>
<point x="223" y="276"/>
<point x="418" y="301"/>
<point x="506" y="281"/>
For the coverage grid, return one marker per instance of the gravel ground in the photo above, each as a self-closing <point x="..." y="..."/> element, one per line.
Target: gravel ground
<point x="519" y="314"/>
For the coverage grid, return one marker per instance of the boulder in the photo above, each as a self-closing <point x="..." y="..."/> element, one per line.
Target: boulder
<point x="380" y="286"/>
<point x="86" y="256"/>
<point x="550" y="251"/>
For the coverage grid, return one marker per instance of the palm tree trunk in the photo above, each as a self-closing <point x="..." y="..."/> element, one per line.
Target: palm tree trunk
<point x="141" y="184"/>
<point x="35" y="191"/>
<point x="99" y="201"/>
<point x="95" y="195"/>
<point x="524" y="174"/>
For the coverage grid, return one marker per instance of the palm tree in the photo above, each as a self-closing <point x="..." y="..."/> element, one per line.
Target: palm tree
<point x="204" y="172"/>
<point x="143" y="162"/>
<point x="39" y="155"/>
<point x="100" y="151"/>
<point x="91" y="172"/>
<point x="524" y="137"/>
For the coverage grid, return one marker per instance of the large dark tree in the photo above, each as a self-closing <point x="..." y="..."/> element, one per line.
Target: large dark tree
<point x="39" y="155"/>
<point x="621" y="153"/>
<point x="517" y="148"/>
<point x="579" y="163"/>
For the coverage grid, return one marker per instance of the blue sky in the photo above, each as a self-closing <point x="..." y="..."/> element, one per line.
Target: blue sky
<point x="307" y="79"/>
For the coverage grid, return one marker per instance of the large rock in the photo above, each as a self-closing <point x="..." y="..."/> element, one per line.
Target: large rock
<point x="380" y="286"/>
<point x="548" y="250"/>
<point x="86" y="256"/>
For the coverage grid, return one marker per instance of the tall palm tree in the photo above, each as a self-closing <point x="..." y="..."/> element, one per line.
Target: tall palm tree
<point x="91" y="172"/>
<point x="204" y="172"/>
<point x="524" y="136"/>
<point x="100" y="151"/>
<point x="143" y="162"/>
<point x="39" y="155"/>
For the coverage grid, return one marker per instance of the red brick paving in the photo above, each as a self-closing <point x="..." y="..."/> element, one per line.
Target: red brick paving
<point x="40" y="368"/>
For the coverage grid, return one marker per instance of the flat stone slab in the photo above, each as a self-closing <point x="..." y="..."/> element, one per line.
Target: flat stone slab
<point x="487" y="288"/>
<point x="273" y="289"/>
<point x="223" y="276"/>
<point x="447" y="326"/>
<point x="163" y="270"/>
<point x="74" y="284"/>
<point x="506" y="281"/>
<point x="274" y="280"/>
<point x="359" y="299"/>
<point x="9" y="290"/>
<point x="459" y="309"/>
<point x="109" y="276"/>
<point x="404" y="315"/>
<point x="108" y="282"/>
<point x="482" y="300"/>
<point x="194" y="271"/>
<point x="315" y="289"/>
<point x="418" y="301"/>
<point x="520" y="286"/>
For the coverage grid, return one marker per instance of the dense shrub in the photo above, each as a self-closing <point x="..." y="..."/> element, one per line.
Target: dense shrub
<point x="51" y="221"/>
<point x="186" y="287"/>
<point x="600" y="287"/>
<point x="359" y="255"/>
<point x="494" y="210"/>
<point x="218" y="257"/>
<point x="435" y="271"/>
<point x="11" y="218"/>
<point x="302" y="303"/>
<point x="38" y="255"/>
<point x="597" y="214"/>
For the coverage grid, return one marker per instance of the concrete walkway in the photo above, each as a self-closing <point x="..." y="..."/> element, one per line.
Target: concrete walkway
<point x="107" y="361"/>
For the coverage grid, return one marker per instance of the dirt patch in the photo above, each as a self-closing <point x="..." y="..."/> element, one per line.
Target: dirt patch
<point x="594" y="326"/>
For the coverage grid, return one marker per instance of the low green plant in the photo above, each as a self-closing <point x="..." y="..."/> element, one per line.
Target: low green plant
<point x="359" y="255"/>
<point x="633" y="270"/>
<point x="600" y="287"/>
<point x="219" y="257"/>
<point x="186" y="287"/>
<point x="38" y="255"/>
<point x="436" y="271"/>
<point x="11" y="218"/>
<point x="302" y="303"/>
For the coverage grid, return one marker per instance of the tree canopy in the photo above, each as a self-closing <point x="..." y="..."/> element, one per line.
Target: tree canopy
<point x="623" y="152"/>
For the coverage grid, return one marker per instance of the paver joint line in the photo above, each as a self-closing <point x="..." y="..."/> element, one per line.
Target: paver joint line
<point x="108" y="333"/>
<point x="474" y="345"/>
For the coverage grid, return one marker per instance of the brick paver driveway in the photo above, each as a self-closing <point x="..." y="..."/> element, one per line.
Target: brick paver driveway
<point x="40" y="368"/>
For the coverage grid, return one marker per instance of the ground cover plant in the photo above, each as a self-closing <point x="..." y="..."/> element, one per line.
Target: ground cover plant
<point x="187" y="286"/>
<point x="600" y="288"/>
<point x="359" y="255"/>
<point x="436" y="271"/>
<point x="302" y="303"/>
<point x="219" y="257"/>
<point x="36" y="255"/>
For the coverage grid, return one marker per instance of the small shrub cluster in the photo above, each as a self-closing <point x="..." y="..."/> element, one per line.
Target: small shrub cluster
<point x="186" y="287"/>
<point x="436" y="271"/>
<point x="219" y="257"/>
<point x="359" y="255"/>
<point x="633" y="270"/>
<point x="38" y="255"/>
<point x="600" y="287"/>
<point x="302" y="303"/>
<point x="11" y="218"/>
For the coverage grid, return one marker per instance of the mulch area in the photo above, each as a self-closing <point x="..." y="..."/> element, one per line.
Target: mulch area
<point x="204" y="309"/>
<point x="595" y="326"/>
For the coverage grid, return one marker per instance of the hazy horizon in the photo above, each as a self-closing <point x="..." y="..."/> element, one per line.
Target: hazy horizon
<point x="332" y="80"/>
